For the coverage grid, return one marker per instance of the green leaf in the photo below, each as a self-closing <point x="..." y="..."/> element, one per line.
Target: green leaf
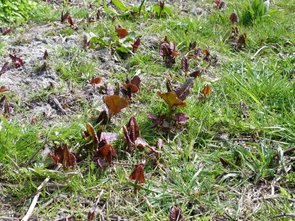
<point x="107" y="9"/>
<point x="123" y="49"/>
<point x="120" y="5"/>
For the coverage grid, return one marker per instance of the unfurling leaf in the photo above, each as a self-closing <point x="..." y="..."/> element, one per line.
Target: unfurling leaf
<point x="131" y="87"/>
<point x="241" y="41"/>
<point x="115" y="103"/>
<point x="184" y="64"/>
<point x="171" y="99"/>
<point x="91" y="215"/>
<point x="180" y="118"/>
<point x="70" y="21"/>
<point x="18" y="62"/>
<point x="45" y="55"/>
<point x="33" y="120"/>
<point x="224" y="162"/>
<point x="138" y="174"/>
<point x="234" y="18"/>
<point x="175" y="214"/>
<point x="106" y="153"/>
<point x="136" y="81"/>
<point x="64" y="17"/>
<point x="197" y="52"/>
<point x="207" y="90"/>
<point x="183" y="91"/>
<point x="4" y="68"/>
<point x="5" y="31"/>
<point x="207" y="54"/>
<point x="192" y="45"/>
<point x="195" y="74"/>
<point x="95" y="80"/>
<point x="219" y="4"/>
<point x="168" y="52"/>
<point x="135" y="45"/>
<point x="3" y="89"/>
<point x="102" y="118"/>
<point x="8" y="109"/>
<point x="161" y="5"/>
<point x="63" y="156"/>
<point x="90" y="130"/>
<point x="131" y="133"/>
<point x="157" y="120"/>
<point x="121" y="32"/>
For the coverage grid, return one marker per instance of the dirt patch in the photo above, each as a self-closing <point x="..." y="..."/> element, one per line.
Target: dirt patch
<point x="36" y="88"/>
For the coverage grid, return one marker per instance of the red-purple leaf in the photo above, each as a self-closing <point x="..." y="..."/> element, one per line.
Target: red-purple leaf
<point x="6" y="31"/>
<point x="224" y="162"/>
<point x="115" y="103"/>
<point x="138" y="174"/>
<point x="135" y="45"/>
<point x="4" y="89"/>
<point x="121" y="32"/>
<point x="207" y="90"/>
<point x="70" y="20"/>
<point x="168" y="52"/>
<point x="95" y="80"/>
<point x="241" y="41"/>
<point x="18" y="62"/>
<point x="197" y="52"/>
<point x="219" y="4"/>
<point x="234" y="18"/>
<point x="63" y="156"/>
<point x="136" y="81"/>
<point x="8" y="109"/>
<point x="106" y="152"/>
<point x="133" y="129"/>
<point x="161" y="5"/>
<point x="180" y="118"/>
<point x="92" y="133"/>
<point x="183" y="91"/>
<point x="4" y="68"/>
<point x="102" y="118"/>
<point x="207" y="54"/>
<point x="184" y="64"/>
<point x="157" y="120"/>
<point x="195" y="74"/>
<point x="91" y="215"/>
<point x="192" y="45"/>
<point x="64" y="17"/>
<point x="45" y="55"/>
<point x="175" y="214"/>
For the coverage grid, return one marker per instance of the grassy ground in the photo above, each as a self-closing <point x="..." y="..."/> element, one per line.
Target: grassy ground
<point x="233" y="160"/>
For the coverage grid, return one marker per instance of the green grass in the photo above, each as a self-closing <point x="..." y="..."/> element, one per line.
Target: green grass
<point x="189" y="172"/>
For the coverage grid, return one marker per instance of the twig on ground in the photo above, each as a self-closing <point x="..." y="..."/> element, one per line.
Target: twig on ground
<point x="59" y="106"/>
<point x="257" y="52"/>
<point x="272" y="197"/>
<point x="285" y="214"/>
<point x="36" y="197"/>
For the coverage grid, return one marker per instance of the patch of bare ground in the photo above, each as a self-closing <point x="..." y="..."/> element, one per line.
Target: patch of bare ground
<point x="36" y="90"/>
